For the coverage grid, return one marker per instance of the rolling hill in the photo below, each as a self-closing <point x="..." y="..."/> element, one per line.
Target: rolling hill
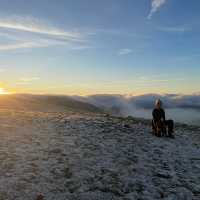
<point x="45" y="103"/>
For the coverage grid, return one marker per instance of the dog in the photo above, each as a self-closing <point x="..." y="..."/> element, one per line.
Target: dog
<point x="159" y="128"/>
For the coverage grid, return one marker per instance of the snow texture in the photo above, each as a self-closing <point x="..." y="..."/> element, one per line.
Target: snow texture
<point x="94" y="157"/>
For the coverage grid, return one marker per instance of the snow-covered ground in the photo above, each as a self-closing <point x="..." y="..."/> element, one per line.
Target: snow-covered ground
<point x="94" y="157"/>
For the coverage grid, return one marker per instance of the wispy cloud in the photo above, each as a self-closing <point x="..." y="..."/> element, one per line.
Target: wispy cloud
<point x="188" y="57"/>
<point x="28" y="32"/>
<point x="33" y="42"/>
<point x="177" y="29"/>
<point x="37" y="26"/>
<point x="124" y="51"/>
<point x="24" y="45"/>
<point x="81" y="47"/>
<point x="121" y="33"/>
<point x="157" y="79"/>
<point x="155" y="6"/>
<point x="27" y="80"/>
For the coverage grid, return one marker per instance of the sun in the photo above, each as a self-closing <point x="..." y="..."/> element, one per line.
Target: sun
<point x="2" y="91"/>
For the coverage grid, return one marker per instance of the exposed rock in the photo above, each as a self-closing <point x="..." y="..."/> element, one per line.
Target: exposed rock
<point x="40" y="197"/>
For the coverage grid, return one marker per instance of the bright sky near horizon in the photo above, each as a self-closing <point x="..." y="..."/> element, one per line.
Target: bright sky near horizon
<point x="91" y="47"/>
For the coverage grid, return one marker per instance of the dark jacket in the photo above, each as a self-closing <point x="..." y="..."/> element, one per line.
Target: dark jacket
<point x="158" y="114"/>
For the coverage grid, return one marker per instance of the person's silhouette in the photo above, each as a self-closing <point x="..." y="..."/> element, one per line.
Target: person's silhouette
<point x="160" y="125"/>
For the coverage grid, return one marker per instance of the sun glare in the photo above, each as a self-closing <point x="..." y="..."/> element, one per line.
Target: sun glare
<point x="2" y="91"/>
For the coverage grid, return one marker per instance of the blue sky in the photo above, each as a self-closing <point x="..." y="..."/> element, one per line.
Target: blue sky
<point x="108" y="46"/>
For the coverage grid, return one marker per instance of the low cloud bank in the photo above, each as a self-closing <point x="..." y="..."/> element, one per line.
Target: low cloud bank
<point x="126" y="105"/>
<point x="169" y="101"/>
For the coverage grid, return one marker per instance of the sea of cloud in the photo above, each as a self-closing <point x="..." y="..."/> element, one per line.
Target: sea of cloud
<point x="182" y="108"/>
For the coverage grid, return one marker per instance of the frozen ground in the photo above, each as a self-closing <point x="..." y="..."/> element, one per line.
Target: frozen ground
<point x="94" y="157"/>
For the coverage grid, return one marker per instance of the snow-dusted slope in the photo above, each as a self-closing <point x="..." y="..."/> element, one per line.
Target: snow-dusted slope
<point x="45" y="103"/>
<point x="94" y="157"/>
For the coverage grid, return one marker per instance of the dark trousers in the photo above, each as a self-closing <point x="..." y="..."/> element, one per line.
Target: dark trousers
<point x="163" y="128"/>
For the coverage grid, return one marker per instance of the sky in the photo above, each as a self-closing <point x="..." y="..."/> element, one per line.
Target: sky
<point x="84" y="47"/>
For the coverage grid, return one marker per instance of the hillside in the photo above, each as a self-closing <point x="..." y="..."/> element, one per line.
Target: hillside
<point x="45" y="103"/>
<point x="79" y="156"/>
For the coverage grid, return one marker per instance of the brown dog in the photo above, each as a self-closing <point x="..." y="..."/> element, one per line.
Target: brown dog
<point x="159" y="128"/>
